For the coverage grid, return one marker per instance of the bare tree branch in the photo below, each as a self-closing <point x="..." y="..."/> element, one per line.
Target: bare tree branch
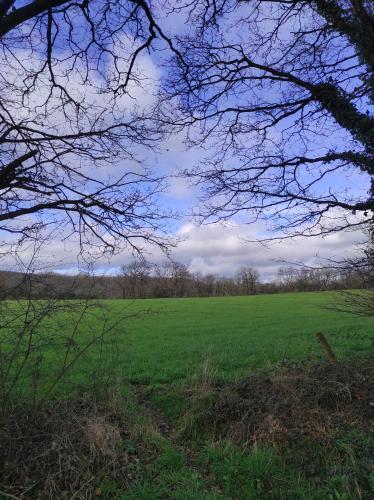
<point x="281" y="92"/>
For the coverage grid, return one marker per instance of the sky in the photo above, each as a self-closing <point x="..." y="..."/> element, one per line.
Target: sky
<point x="219" y="248"/>
<point x="216" y="248"/>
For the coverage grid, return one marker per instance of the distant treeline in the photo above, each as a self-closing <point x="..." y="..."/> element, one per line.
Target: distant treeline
<point x="141" y="279"/>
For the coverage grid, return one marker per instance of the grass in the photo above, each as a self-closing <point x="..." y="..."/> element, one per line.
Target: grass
<point x="259" y="474"/>
<point x="176" y="351"/>
<point x="236" y="334"/>
<point x="165" y="341"/>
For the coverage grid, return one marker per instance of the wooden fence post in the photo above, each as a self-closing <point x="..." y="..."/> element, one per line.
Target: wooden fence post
<point x="326" y="347"/>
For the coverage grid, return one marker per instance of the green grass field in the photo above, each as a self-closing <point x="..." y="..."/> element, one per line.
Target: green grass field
<point x="163" y="341"/>
<point x="172" y="338"/>
<point x="166" y="346"/>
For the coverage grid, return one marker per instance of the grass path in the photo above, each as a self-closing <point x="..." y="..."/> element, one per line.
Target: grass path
<point x="168" y="469"/>
<point x="332" y="460"/>
<point x="167" y="431"/>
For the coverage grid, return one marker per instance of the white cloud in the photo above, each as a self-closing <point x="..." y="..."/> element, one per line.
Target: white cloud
<point x="216" y="248"/>
<point x="222" y="249"/>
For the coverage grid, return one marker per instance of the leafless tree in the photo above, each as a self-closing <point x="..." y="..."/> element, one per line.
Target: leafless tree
<point x="181" y="278"/>
<point x="133" y="278"/>
<point x="72" y="124"/>
<point x="302" y="278"/>
<point x="287" y="277"/>
<point x="248" y="279"/>
<point x="282" y="91"/>
<point x="358" y="275"/>
<point x="172" y="279"/>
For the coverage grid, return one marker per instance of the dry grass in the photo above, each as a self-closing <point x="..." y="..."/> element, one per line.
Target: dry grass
<point x="295" y="402"/>
<point x="63" y="451"/>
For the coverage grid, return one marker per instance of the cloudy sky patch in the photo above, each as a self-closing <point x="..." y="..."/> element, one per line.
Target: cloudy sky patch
<point x="218" y="248"/>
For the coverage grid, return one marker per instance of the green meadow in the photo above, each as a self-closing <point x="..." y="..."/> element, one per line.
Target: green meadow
<point x="168" y="340"/>
<point x="168" y="360"/>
